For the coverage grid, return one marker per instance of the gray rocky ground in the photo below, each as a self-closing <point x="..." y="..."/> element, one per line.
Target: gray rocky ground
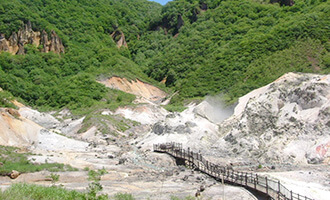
<point x="284" y="125"/>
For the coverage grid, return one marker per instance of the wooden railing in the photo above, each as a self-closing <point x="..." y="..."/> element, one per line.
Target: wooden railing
<point x="263" y="184"/>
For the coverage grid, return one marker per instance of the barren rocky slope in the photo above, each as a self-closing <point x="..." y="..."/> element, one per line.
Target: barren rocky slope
<point x="286" y="121"/>
<point x="284" y="124"/>
<point x="141" y="89"/>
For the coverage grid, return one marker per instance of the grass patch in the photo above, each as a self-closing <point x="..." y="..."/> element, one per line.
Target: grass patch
<point x="174" y="108"/>
<point x="186" y="198"/>
<point x="112" y="100"/>
<point x="107" y="123"/>
<point x="12" y="160"/>
<point x="29" y="192"/>
<point x="33" y="192"/>
<point x="123" y="196"/>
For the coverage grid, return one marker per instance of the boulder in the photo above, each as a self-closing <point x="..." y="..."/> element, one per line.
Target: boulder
<point x="158" y="128"/>
<point x="14" y="174"/>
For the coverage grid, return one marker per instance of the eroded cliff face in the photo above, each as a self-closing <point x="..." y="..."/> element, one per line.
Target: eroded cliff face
<point x="16" y="130"/>
<point x="285" y="121"/>
<point x="140" y="89"/>
<point x="16" y="42"/>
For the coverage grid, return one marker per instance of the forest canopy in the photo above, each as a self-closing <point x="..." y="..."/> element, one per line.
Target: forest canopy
<point x="200" y="47"/>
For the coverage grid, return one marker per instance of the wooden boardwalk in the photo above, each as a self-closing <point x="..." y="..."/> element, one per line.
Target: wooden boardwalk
<point x="271" y="188"/>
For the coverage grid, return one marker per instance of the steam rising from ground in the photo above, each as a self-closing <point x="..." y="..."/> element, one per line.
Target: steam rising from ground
<point x="214" y="109"/>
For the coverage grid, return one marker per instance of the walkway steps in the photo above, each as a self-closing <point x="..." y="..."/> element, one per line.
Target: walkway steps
<point x="272" y="188"/>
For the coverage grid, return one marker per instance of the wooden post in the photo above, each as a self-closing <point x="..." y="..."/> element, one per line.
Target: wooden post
<point x="257" y="178"/>
<point x="266" y="185"/>
<point x="207" y="166"/>
<point x="251" y="175"/>
<point x="210" y="168"/>
<point x="216" y="173"/>
<point x="223" y="186"/>
<point x="279" y="187"/>
<point x="245" y="179"/>
<point x="242" y="178"/>
<point x="255" y="183"/>
<point x="188" y="153"/>
<point x="198" y="165"/>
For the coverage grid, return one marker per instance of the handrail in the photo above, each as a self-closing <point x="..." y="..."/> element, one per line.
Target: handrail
<point x="263" y="184"/>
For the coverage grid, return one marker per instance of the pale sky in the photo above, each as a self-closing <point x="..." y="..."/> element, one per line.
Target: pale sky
<point x="163" y="2"/>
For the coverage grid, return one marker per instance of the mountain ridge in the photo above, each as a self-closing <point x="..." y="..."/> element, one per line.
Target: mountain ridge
<point x="228" y="47"/>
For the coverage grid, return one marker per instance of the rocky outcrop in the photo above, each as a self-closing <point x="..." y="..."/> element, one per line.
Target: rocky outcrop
<point x="16" y="42"/>
<point x="3" y="43"/>
<point x="16" y="130"/>
<point x="285" y="121"/>
<point x="54" y="44"/>
<point x="119" y="38"/>
<point x="144" y="114"/>
<point x="140" y="89"/>
<point x="187" y="127"/>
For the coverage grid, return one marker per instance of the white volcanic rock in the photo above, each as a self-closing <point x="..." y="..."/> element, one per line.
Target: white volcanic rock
<point x="71" y="126"/>
<point x="43" y="119"/>
<point x="48" y="140"/>
<point x="187" y="127"/>
<point x="285" y="121"/>
<point x="144" y="113"/>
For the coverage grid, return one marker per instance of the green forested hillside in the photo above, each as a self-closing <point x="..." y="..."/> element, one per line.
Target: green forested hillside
<point x="201" y="47"/>
<point x="49" y="80"/>
<point x="234" y="46"/>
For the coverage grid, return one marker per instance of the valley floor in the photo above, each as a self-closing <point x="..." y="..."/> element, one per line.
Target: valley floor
<point x="153" y="175"/>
